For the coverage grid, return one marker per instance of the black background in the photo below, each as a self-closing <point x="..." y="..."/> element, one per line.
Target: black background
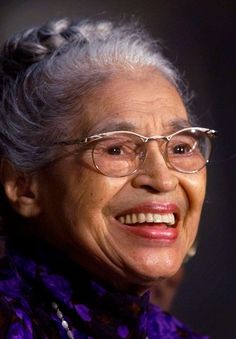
<point x="199" y="37"/>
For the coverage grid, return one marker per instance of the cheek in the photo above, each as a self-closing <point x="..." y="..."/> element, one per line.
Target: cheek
<point x="196" y="188"/>
<point x="87" y="209"/>
<point x="91" y="195"/>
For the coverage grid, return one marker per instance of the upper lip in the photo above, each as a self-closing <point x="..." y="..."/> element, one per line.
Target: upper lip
<point x="153" y="207"/>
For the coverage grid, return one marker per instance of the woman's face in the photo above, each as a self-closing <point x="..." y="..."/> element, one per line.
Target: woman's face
<point x="81" y="206"/>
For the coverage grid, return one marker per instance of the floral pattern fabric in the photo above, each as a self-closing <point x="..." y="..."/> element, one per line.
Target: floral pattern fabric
<point x="32" y="277"/>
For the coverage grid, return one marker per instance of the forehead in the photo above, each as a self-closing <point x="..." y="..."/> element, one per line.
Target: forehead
<point x="144" y="102"/>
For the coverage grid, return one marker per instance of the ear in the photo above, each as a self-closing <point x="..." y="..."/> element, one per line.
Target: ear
<point x="21" y="189"/>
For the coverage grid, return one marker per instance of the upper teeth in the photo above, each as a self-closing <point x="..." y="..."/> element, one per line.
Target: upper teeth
<point x="135" y="218"/>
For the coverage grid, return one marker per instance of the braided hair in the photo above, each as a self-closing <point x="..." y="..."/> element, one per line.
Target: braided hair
<point x="46" y="71"/>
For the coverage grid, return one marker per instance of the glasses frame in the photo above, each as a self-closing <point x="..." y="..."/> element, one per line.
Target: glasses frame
<point x="210" y="133"/>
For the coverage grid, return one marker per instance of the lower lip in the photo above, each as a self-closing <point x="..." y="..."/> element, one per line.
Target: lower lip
<point x="158" y="232"/>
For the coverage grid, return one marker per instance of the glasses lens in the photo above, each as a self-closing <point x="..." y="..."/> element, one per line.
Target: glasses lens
<point x="118" y="155"/>
<point x="188" y="151"/>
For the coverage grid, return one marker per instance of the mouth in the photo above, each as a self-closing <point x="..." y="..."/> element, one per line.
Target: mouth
<point x="150" y="219"/>
<point x="156" y="222"/>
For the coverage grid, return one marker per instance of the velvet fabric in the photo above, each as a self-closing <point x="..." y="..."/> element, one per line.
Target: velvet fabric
<point x="33" y="276"/>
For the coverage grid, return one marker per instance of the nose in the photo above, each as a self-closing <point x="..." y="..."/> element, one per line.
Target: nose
<point x="154" y="172"/>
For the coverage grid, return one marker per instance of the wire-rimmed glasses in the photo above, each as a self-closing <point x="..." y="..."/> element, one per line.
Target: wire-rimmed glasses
<point x="122" y="153"/>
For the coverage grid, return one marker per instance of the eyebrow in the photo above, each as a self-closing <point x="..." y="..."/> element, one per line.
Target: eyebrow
<point x="173" y="126"/>
<point x="112" y="126"/>
<point x="178" y="124"/>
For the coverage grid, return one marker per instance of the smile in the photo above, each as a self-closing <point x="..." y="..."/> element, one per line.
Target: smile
<point x="154" y="218"/>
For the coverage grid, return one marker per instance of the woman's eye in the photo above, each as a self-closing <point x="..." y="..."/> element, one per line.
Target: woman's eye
<point x="120" y="148"/>
<point x="182" y="149"/>
<point x="115" y="150"/>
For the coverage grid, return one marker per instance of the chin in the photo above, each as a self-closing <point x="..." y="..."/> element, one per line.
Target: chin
<point x="150" y="271"/>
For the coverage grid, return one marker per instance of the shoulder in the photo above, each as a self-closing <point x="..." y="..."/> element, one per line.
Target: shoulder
<point x="164" y="325"/>
<point x="18" y="320"/>
<point x="23" y="311"/>
<point x="14" y="316"/>
<point x="14" y="321"/>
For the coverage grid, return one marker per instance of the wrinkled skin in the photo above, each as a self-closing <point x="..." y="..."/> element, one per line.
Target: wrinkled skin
<point x="77" y="206"/>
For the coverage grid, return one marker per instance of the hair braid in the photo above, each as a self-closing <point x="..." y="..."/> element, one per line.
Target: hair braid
<point x="33" y="45"/>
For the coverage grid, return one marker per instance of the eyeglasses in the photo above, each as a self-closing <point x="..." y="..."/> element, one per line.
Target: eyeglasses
<point x="122" y="153"/>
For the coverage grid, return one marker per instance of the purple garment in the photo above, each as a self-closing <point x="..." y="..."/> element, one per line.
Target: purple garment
<point x="33" y="276"/>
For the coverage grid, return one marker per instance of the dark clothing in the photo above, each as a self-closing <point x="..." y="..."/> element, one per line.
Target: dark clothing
<point x="33" y="277"/>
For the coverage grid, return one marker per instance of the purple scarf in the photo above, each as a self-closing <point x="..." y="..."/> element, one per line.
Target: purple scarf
<point x="32" y="277"/>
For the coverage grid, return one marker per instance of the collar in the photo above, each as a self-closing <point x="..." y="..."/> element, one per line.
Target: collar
<point x="86" y="304"/>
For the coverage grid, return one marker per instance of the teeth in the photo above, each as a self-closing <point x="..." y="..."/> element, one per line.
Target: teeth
<point x="128" y="219"/>
<point x="122" y="220"/>
<point x="149" y="217"/>
<point x="140" y="218"/>
<point x="134" y="218"/>
<point x="157" y="218"/>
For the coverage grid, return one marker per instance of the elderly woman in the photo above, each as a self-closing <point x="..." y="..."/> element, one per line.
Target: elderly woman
<point x="103" y="179"/>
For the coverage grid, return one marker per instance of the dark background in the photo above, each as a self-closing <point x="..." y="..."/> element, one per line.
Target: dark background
<point x="199" y="37"/>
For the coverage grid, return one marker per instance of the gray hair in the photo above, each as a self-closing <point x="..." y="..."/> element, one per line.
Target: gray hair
<point x="46" y="71"/>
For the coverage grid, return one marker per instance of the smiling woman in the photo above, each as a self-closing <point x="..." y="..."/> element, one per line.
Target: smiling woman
<point x="103" y="180"/>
